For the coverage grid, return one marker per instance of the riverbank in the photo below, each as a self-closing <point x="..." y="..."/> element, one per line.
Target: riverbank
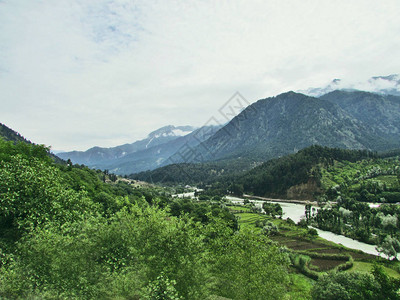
<point x="296" y="201"/>
<point x="325" y="252"/>
<point x="296" y="211"/>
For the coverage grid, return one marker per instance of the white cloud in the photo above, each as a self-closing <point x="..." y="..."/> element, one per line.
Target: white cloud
<point x="74" y="74"/>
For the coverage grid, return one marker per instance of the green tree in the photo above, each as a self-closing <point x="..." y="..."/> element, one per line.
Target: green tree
<point x="270" y="229"/>
<point x="389" y="246"/>
<point x="162" y="289"/>
<point x="346" y="286"/>
<point x="32" y="193"/>
<point x="97" y="258"/>
<point x="389" y="287"/>
<point x="250" y="267"/>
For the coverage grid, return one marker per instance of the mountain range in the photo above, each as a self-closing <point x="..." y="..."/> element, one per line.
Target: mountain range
<point x="268" y="128"/>
<point x="281" y="125"/>
<point x="147" y="154"/>
<point x="292" y="121"/>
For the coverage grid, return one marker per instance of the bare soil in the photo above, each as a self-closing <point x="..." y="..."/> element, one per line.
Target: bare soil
<point x="325" y="264"/>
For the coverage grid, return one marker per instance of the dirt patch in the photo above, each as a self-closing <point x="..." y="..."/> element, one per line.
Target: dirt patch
<point x="330" y="251"/>
<point x="300" y="244"/>
<point x="361" y="256"/>
<point x="325" y="264"/>
<point x="297" y="243"/>
<point x="354" y="254"/>
<point x="282" y="239"/>
<point x="304" y="191"/>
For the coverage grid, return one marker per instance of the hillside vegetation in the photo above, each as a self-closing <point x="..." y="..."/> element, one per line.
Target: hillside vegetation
<point x="276" y="177"/>
<point x="67" y="234"/>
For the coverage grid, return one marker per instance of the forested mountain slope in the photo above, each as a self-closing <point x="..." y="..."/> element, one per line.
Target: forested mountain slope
<point x="10" y="135"/>
<point x="289" y="122"/>
<point x="381" y="112"/>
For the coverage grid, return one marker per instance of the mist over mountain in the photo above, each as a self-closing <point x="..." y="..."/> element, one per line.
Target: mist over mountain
<point x="386" y="85"/>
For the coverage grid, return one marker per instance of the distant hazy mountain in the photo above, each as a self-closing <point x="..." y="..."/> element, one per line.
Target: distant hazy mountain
<point x="291" y="121"/>
<point x="146" y="154"/>
<point x="386" y="85"/>
<point x="96" y="155"/>
<point x="158" y="155"/>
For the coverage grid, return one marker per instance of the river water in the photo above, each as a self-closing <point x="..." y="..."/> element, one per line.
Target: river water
<point x="297" y="211"/>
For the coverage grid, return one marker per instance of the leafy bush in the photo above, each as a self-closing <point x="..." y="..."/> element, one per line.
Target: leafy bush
<point x="346" y="285"/>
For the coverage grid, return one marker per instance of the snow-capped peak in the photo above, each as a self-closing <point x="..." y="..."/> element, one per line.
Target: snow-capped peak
<point x="171" y="130"/>
<point x="180" y="132"/>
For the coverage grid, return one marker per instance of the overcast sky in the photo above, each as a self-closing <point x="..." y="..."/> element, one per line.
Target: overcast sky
<point x="75" y="74"/>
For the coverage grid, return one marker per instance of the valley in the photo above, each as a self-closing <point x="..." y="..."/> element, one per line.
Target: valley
<point x="296" y="190"/>
<point x="199" y="150"/>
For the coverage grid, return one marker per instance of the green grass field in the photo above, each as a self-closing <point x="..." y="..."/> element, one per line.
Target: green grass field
<point x="238" y="208"/>
<point x="366" y="267"/>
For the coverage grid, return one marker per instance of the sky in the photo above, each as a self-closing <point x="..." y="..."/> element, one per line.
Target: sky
<point x="81" y="73"/>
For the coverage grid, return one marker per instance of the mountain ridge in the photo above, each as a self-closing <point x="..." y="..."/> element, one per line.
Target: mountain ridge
<point x="97" y="154"/>
<point x="279" y="125"/>
<point x="273" y="127"/>
<point x="146" y="154"/>
<point x="282" y="125"/>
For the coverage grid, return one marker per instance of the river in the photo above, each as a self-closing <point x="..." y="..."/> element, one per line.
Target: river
<point x="297" y="211"/>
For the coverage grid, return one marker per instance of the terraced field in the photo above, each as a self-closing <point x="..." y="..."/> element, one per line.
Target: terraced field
<point x="325" y="255"/>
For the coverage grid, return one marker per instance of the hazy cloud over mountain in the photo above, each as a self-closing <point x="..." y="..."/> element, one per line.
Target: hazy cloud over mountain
<point x="378" y="84"/>
<point x="74" y="74"/>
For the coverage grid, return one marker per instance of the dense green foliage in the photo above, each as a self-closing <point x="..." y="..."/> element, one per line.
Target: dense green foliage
<point x="346" y="286"/>
<point x="276" y="176"/>
<point x="355" y="285"/>
<point x="195" y="173"/>
<point x="202" y="212"/>
<point x="368" y="180"/>
<point x="68" y="232"/>
<point x="71" y="232"/>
